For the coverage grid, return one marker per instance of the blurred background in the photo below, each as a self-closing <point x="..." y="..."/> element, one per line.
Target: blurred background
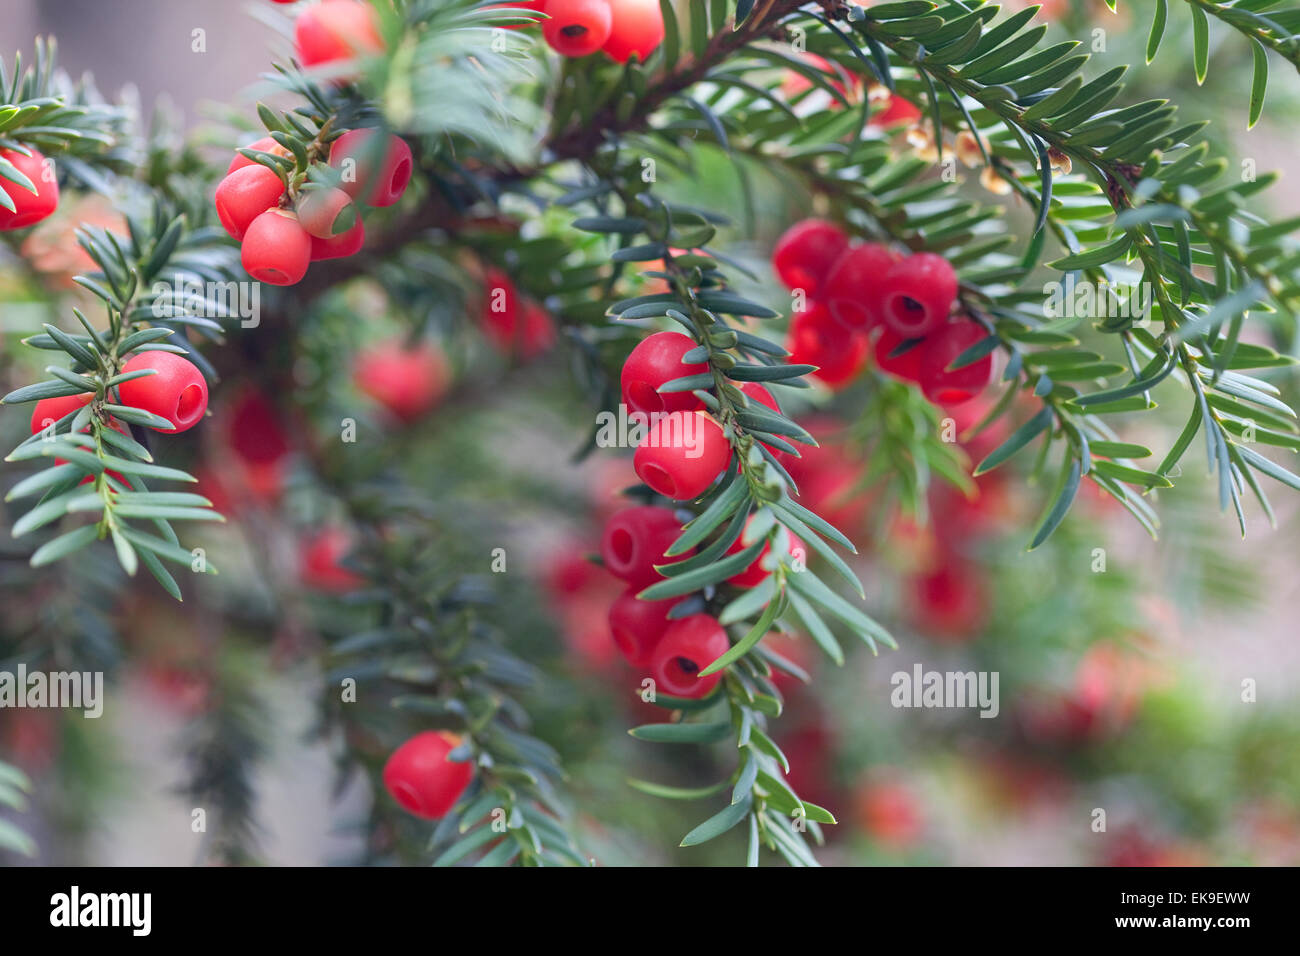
<point x="1125" y="664"/>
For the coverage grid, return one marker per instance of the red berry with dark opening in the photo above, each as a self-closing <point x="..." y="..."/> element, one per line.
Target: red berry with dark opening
<point x="905" y="364"/>
<point x="636" y="27"/>
<point x="276" y="249"/>
<point x="944" y="387"/>
<point x="687" y="647"/>
<point x="577" y="27"/>
<point x="326" y="212"/>
<point x="656" y="360"/>
<point x="266" y="145"/>
<point x="855" y="286"/>
<point x="635" y="540"/>
<point x="50" y="410"/>
<point x="29" y="207"/>
<point x="178" y="391"/>
<point x="408" y="382"/>
<point x="806" y="252"/>
<point x="244" y="195"/>
<point x="918" y="294"/>
<point x="637" y="625"/>
<point x="682" y="454"/>
<point x="373" y="166"/>
<point x="420" y="777"/>
<point x="336" y="30"/>
<point x="815" y="338"/>
<point x="341" y="246"/>
<point x="320" y="562"/>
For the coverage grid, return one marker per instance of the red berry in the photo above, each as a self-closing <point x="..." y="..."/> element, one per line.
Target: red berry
<point x="806" y="252"/>
<point x="50" y="410"/>
<point x="29" y="207"/>
<point x="341" y="246"/>
<point x="244" y="195"/>
<point x="576" y="27"/>
<point x="854" y="286"/>
<point x="945" y="387"/>
<point x="682" y="454"/>
<point x="420" y="777"/>
<point x="950" y="602"/>
<point x="336" y="30"/>
<point x="408" y="382"/>
<point x="266" y="145"/>
<point x="636" y="26"/>
<point x="320" y="562"/>
<point x="905" y="364"/>
<point x="816" y="339"/>
<point x="178" y="391"/>
<point x="896" y="112"/>
<point x="656" y="360"/>
<point x="755" y="574"/>
<point x="637" y="625"/>
<point x="687" y="647"/>
<point x="372" y="165"/>
<point x="276" y="249"/>
<point x="515" y="325"/>
<point x="253" y="429"/>
<point x="326" y="212"/>
<point x="635" y="540"/>
<point x="918" y="294"/>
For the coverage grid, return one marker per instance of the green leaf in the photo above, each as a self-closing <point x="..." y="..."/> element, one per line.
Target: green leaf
<point x="1018" y="439"/>
<point x="676" y="793"/>
<point x="741" y="647"/>
<point x="1200" y="43"/>
<point x="1066" y="489"/>
<point x="702" y="577"/>
<point x="682" y="733"/>
<point x="1259" y="83"/>
<point x="64" y="545"/>
<point x="1157" y="28"/>
<point x="718" y="824"/>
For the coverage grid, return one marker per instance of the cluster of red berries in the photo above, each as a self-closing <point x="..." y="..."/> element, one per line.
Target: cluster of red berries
<point x="684" y="449"/>
<point x="516" y="325"/>
<point x="620" y="28"/>
<point x="280" y="239"/>
<point x="30" y="206"/>
<point x="858" y="290"/>
<point x="419" y="776"/>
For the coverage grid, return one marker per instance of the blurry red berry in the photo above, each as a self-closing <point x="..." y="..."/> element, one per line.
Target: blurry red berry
<point x="29" y="207"/>
<point x="637" y="625"/>
<point x="816" y="339"/>
<point x="855" y="285"/>
<point x="888" y="812"/>
<point x="634" y="541"/>
<point x="253" y="429"/>
<point x="373" y="165"/>
<point x="178" y="392"/>
<point x="636" y="27"/>
<point x="656" y="360"/>
<point x="276" y="249"/>
<point x="945" y="387"/>
<point x="408" y="382"/>
<point x="682" y="454"/>
<point x="686" y="648"/>
<point x="806" y="252"/>
<point x="320" y="562"/>
<point x="420" y="777"/>
<point x="515" y="325"/>
<point x="949" y="603"/>
<point x="341" y="246"/>
<point x="917" y="294"/>
<point x="244" y="195"/>
<point x="896" y="112"/>
<point x="326" y="212"/>
<point x="576" y="27"/>
<point x="336" y="30"/>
